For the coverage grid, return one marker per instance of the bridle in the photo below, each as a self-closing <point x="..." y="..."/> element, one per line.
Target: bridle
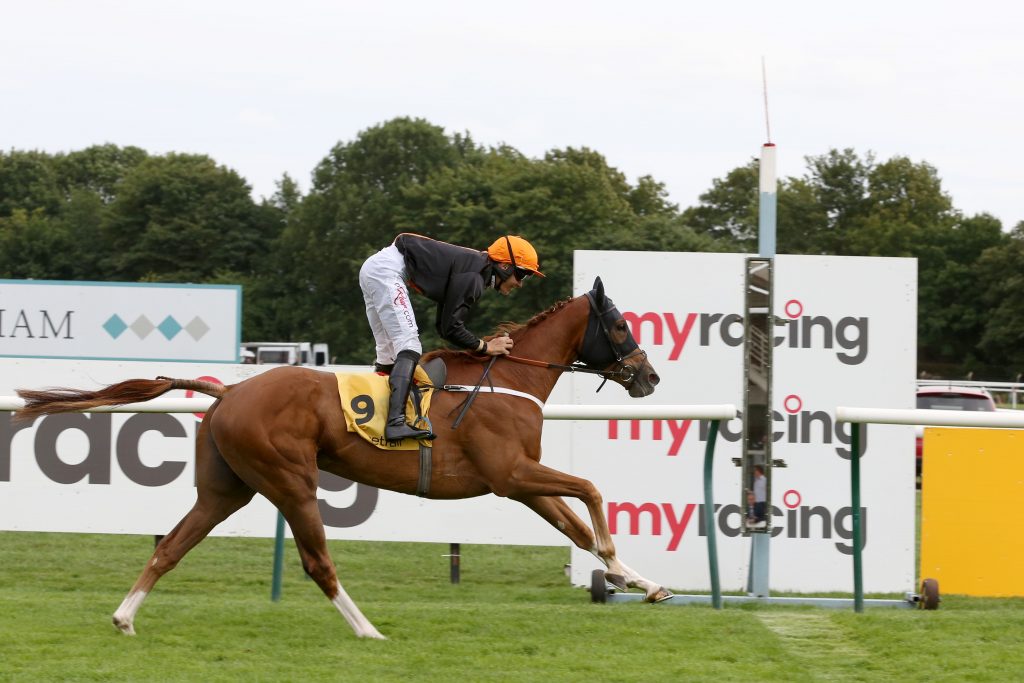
<point x="594" y="354"/>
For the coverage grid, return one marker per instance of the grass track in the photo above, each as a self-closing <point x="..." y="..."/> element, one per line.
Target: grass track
<point x="513" y="618"/>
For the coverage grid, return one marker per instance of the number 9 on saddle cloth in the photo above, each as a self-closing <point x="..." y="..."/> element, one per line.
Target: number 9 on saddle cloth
<point x="364" y="401"/>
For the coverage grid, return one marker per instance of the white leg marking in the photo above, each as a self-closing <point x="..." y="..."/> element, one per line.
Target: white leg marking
<point x="360" y="624"/>
<point x="653" y="590"/>
<point x="124" y="617"/>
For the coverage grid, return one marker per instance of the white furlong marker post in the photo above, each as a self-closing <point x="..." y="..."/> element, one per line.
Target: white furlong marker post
<point x="758" y="573"/>
<point x="768" y="186"/>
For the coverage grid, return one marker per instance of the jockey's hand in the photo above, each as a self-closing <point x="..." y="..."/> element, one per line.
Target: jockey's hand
<point x="499" y="346"/>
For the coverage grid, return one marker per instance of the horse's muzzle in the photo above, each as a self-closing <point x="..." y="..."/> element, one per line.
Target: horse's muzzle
<point x="643" y="380"/>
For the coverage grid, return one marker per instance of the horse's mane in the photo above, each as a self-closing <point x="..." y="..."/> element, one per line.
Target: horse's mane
<point x="514" y="330"/>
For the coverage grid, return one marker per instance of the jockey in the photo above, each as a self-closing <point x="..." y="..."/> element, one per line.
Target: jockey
<point x="454" y="278"/>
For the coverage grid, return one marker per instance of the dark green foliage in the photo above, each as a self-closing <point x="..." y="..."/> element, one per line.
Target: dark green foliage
<point x="850" y="206"/>
<point x="182" y="218"/>
<point x="28" y="181"/>
<point x="1001" y="281"/>
<point x="118" y="214"/>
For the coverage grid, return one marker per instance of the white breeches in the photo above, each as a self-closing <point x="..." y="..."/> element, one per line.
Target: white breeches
<point x="388" y="309"/>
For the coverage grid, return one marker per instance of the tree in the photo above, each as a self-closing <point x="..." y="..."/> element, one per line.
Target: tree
<point x="183" y="218"/>
<point x="36" y="246"/>
<point x="904" y="212"/>
<point x="408" y="175"/>
<point x="97" y="169"/>
<point x="803" y="223"/>
<point x="846" y="205"/>
<point x="838" y="181"/>
<point x="951" y="283"/>
<point x="352" y="210"/>
<point x="287" y="196"/>
<point x="650" y="198"/>
<point x="729" y="213"/>
<point x="1001" y="271"/>
<point x="729" y="210"/>
<point x="570" y="199"/>
<point x="29" y="181"/>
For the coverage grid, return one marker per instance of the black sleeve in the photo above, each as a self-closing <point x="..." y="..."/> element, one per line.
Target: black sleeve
<point x="463" y="291"/>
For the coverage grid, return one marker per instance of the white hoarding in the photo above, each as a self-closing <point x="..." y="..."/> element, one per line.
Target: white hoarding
<point x="124" y="321"/>
<point x="850" y="339"/>
<point x="134" y="474"/>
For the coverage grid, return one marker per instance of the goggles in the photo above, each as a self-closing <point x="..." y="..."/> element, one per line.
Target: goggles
<point x="520" y="273"/>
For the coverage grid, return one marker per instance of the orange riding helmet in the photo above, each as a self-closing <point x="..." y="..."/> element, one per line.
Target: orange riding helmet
<point x="516" y="251"/>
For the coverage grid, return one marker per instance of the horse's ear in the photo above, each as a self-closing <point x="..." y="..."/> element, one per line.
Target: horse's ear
<point x="598" y="290"/>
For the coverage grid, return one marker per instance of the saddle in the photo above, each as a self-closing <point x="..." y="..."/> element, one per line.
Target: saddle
<point x="436" y="371"/>
<point x="364" y="400"/>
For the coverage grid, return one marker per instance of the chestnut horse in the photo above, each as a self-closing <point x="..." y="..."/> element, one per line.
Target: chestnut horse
<point x="273" y="432"/>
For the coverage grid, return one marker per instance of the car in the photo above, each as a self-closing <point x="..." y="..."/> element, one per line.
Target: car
<point x="951" y="398"/>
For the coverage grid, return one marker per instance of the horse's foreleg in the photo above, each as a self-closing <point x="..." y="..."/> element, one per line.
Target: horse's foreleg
<point x="538" y="486"/>
<point x="558" y="513"/>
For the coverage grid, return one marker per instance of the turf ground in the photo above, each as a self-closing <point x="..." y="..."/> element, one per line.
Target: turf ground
<point x="513" y="617"/>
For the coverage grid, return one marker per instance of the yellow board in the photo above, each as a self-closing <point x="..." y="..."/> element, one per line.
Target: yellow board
<point x="364" y="400"/>
<point x="972" y="492"/>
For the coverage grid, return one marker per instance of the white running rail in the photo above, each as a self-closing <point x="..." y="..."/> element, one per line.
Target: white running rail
<point x="551" y="411"/>
<point x="929" y="418"/>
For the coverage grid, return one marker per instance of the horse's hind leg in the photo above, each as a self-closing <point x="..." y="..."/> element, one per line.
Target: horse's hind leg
<point x="308" y="529"/>
<point x="219" y="493"/>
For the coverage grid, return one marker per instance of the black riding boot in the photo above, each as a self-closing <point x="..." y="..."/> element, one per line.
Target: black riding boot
<point x="400" y="381"/>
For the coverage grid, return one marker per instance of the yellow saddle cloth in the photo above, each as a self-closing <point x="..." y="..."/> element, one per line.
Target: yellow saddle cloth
<point x="364" y="400"/>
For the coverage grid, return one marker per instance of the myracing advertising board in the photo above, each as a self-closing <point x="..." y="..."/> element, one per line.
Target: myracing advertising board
<point x="849" y="339"/>
<point x="120" y="320"/>
<point x="134" y="473"/>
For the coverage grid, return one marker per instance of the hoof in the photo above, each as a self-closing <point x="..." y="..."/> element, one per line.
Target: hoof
<point x="124" y="626"/>
<point x="660" y="595"/>
<point x="617" y="580"/>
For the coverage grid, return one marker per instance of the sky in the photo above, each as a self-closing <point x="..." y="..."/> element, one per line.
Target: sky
<point x="670" y="89"/>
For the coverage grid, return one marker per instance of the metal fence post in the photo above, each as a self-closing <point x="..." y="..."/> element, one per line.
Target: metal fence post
<point x="709" y="516"/>
<point x="275" y="583"/>
<point x="858" y="568"/>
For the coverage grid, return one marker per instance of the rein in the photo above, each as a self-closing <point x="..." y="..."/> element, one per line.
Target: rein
<point x="596" y="328"/>
<point x="472" y="396"/>
<point x="625" y="373"/>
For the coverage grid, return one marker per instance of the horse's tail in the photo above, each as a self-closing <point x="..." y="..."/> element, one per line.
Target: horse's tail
<point x="64" y="400"/>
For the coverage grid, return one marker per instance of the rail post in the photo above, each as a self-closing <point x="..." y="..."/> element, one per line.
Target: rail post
<point x="275" y="582"/>
<point x="858" y="566"/>
<point x="455" y="560"/>
<point x="709" y="516"/>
